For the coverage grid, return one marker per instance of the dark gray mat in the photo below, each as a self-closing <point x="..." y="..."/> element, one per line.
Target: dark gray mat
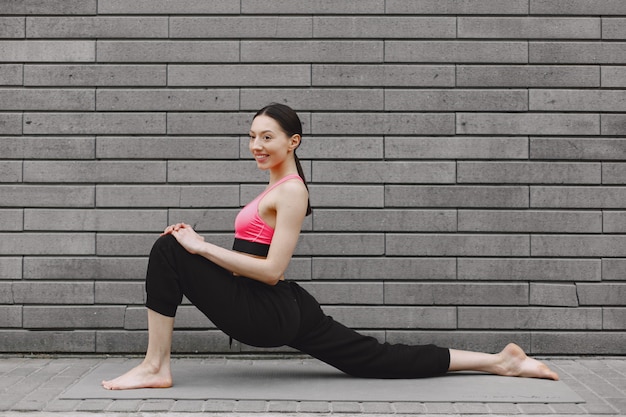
<point x="310" y="380"/>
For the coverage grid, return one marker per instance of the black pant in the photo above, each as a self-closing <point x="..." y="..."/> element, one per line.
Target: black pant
<point x="270" y="316"/>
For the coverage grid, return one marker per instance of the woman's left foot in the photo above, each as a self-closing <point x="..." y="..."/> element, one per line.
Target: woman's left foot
<point x="516" y="363"/>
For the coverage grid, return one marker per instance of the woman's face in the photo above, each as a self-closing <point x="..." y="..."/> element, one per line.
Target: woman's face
<point x="269" y="144"/>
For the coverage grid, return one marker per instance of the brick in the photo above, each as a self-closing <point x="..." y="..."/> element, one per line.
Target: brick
<point x="70" y="341"/>
<point x="456" y="294"/>
<point x="214" y="171"/>
<point x="591" y="148"/>
<point x="168" y="51"/>
<point x="530" y="318"/>
<point x="213" y="220"/>
<point x="316" y="99"/>
<point x="527" y="76"/>
<point x="576" y="52"/>
<point x="601" y="294"/>
<point x="10" y="123"/>
<point x="168" y="7"/>
<point x="456" y="196"/>
<point x="241" y="27"/>
<point x="578" y="197"/>
<point x="530" y="221"/>
<point x="345" y="293"/>
<point x="576" y="7"/>
<point x="46" y="99"/>
<point x="167" y="196"/>
<point x="456" y="100"/>
<point x="166" y="147"/>
<point x="94" y="171"/>
<point x="38" y="292"/>
<point x="47" y="244"/>
<point x="119" y="293"/>
<point x="239" y="75"/>
<point x="74" y="317"/>
<point x="46" y="196"/>
<point x="339" y="195"/>
<point x="456" y="148"/>
<point x="6" y="295"/>
<point x="96" y="27"/>
<point x="95" y="75"/>
<point x="613" y="124"/>
<point x="10" y="171"/>
<point x="456" y="245"/>
<point x="387" y="75"/>
<point x="208" y="123"/>
<point x="613" y="269"/>
<point x="314" y="51"/>
<point x="613" y="173"/>
<point x="25" y="147"/>
<point x="613" y="76"/>
<point x="167" y="100"/>
<point x="528" y="124"/>
<point x="479" y="341"/>
<point x="387" y="268"/>
<point x="576" y="343"/>
<point x="529" y="172"/>
<point x="457" y="7"/>
<point x="137" y="244"/>
<point x="614" y="318"/>
<point x="578" y="100"/>
<point x="53" y="7"/>
<point x="12" y="27"/>
<point x="54" y="51"/>
<point x="11" y="220"/>
<point x="11" y="74"/>
<point x="456" y="52"/>
<point x="613" y="28"/>
<point x="529" y="28"/>
<point x="95" y="220"/>
<point x="387" y="27"/>
<point x="341" y="244"/>
<point x="11" y="316"/>
<point x="385" y="172"/>
<point x="10" y="267"/>
<point x="556" y="295"/>
<point x="94" y="123"/>
<point x="614" y="222"/>
<point x="578" y="245"/>
<point x="312" y="7"/>
<point x="85" y="268"/>
<point x="385" y="220"/>
<point x="335" y="148"/>
<point x="383" y="123"/>
<point x="379" y="317"/>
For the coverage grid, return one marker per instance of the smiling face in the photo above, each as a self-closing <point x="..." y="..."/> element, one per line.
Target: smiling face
<point x="270" y="145"/>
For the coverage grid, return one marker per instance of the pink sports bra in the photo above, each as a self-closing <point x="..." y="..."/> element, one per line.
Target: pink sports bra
<point x="249" y="226"/>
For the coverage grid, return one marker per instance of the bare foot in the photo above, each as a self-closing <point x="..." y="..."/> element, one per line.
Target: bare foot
<point x="141" y="376"/>
<point x="516" y="363"/>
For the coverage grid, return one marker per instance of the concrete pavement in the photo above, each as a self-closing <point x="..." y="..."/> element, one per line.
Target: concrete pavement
<point x="32" y="385"/>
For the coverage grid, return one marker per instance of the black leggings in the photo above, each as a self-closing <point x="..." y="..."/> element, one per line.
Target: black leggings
<point x="262" y="315"/>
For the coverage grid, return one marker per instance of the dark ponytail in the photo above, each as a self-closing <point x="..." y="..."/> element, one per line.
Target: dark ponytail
<point x="289" y="121"/>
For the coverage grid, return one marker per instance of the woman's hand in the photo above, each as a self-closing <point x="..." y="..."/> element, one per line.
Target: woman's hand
<point x="186" y="236"/>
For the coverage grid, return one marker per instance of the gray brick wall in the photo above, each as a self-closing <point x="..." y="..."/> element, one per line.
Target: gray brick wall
<point x="466" y="159"/>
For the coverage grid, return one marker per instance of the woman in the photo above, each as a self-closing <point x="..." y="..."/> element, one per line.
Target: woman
<point x="244" y="293"/>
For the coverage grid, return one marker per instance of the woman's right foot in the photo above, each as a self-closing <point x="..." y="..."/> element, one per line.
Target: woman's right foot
<point x="141" y="376"/>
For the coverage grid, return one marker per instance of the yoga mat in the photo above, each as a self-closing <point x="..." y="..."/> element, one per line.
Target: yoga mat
<point x="311" y="380"/>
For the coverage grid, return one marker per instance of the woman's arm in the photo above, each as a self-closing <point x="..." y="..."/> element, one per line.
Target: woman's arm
<point x="290" y="203"/>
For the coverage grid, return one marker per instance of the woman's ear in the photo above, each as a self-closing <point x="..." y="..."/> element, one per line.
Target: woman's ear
<point x="294" y="142"/>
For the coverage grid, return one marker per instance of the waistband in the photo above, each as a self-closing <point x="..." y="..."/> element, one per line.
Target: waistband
<point x="253" y="248"/>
